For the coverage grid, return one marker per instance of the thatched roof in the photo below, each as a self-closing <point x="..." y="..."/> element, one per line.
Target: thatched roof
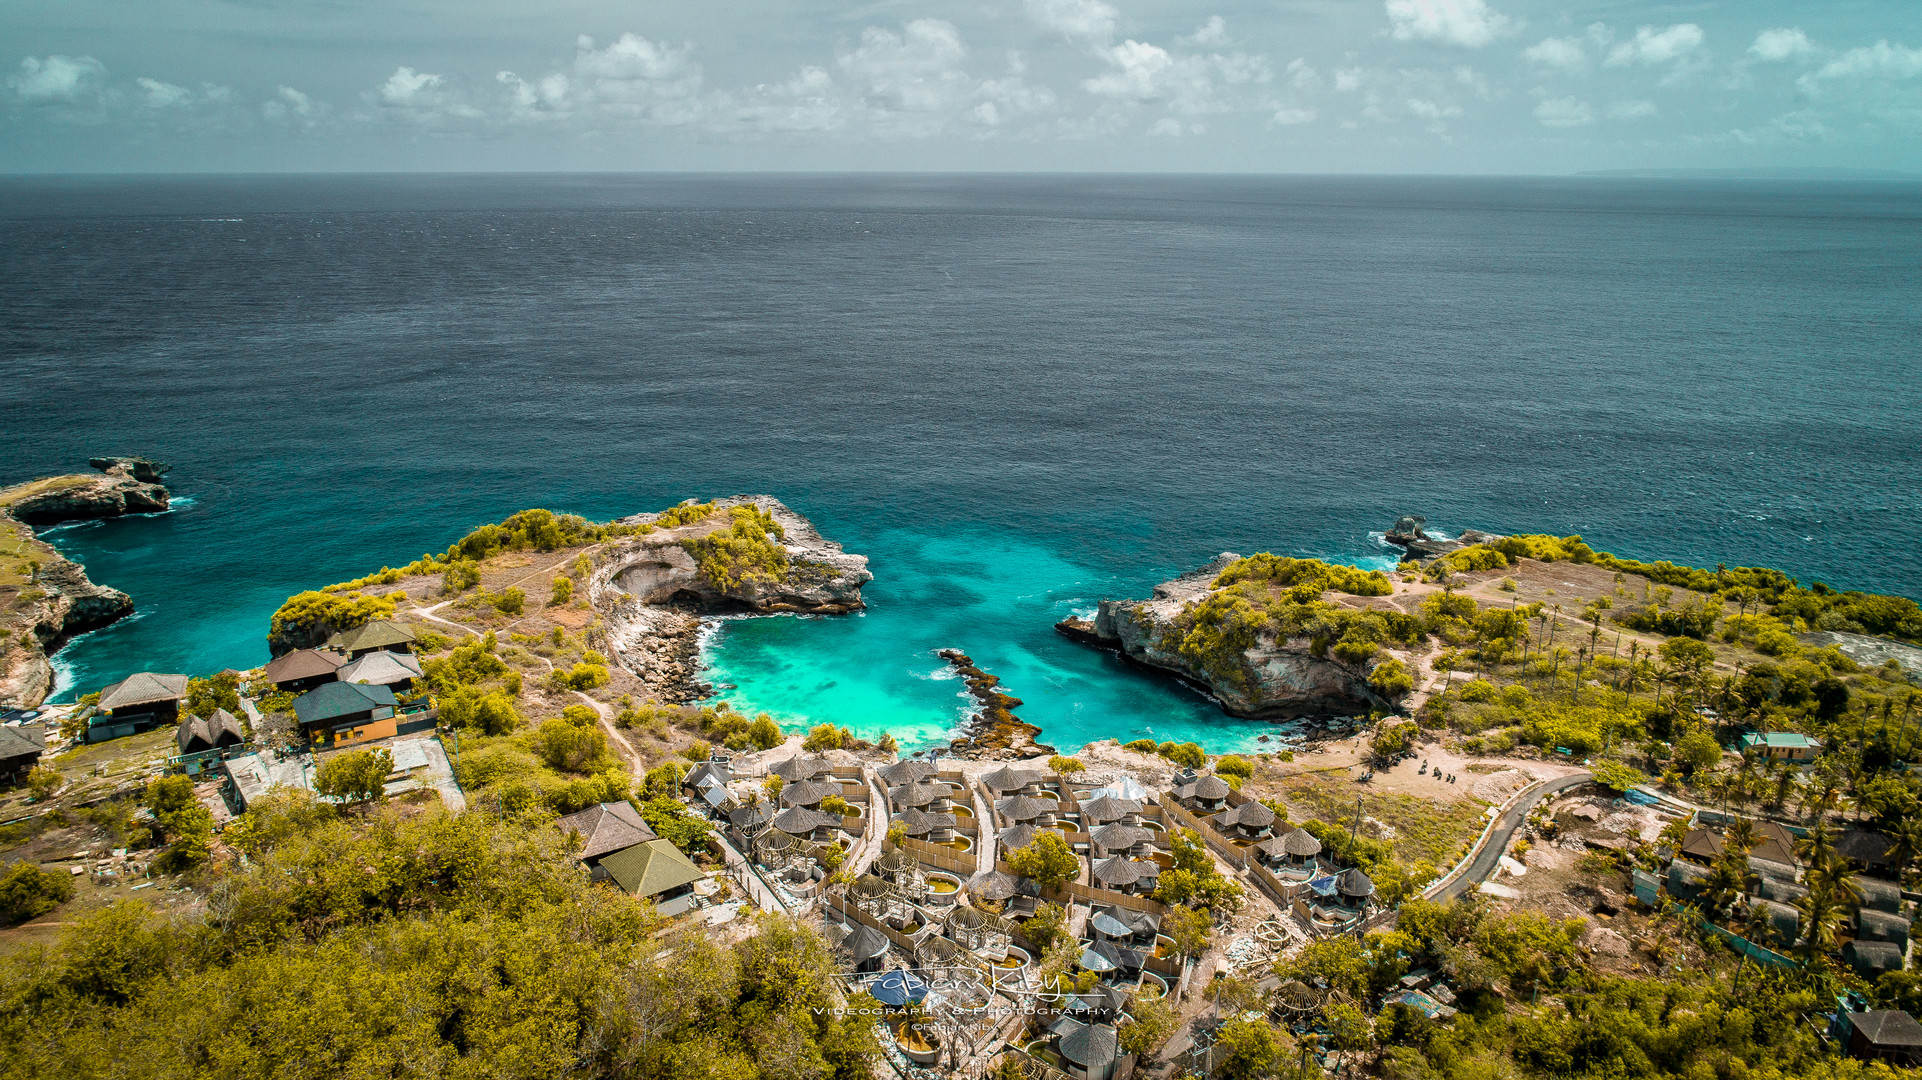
<point x="996" y="886"/>
<point x="606" y="828"/>
<point x="1121" y="870"/>
<point x="1116" y="837"/>
<point x="1251" y="815"/>
<point x="919" y="793"/>
<point x="1091" y="1046"/>
<point x="1209" y="786"/>
<point x="808" y="792"/>
<point x="907" y="772"/>
<point x="799" y="820"/>
<point x="378" y="634"/>
<point x="1354" y="884"/>
<point x="1007" y="778"/>
<point x="1025" y="808"/>
<point x="921" y="822"/>
<point x="143" y="688"/>
<point x="1108" y="808"/>
<point x="381" y="668"/>
<point x="896" y="861"/>
<point x="800" y="767"/>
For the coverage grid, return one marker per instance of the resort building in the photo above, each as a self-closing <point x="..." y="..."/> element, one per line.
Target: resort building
<point x="135" y="704"/>
<point x="217" y="732"/>
<point x="372" y="637"/>
<point x="303" y="669"/>
<point x="1782" y="746"/>
<point x="1202" y="794"/>
<point x="20" y="748"/>
<point x="342" y="714"/>
<point x="394" y="670"/>
<point x="618" y="847"/>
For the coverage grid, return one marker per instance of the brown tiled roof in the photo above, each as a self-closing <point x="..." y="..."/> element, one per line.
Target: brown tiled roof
<point x="304" y="664"/>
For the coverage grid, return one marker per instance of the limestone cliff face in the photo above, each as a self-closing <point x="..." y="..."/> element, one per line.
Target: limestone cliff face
<point x="1278" y="677"/>
<point x="650" y="588"/>
<point x="42" y="613"/>
<point x="120" y="489"/>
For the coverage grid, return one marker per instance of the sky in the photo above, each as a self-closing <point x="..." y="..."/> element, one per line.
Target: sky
<point x="1282" y="86"/>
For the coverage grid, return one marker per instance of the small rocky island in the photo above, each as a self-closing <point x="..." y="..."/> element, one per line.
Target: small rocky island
<point x="994" y="733"/>
<point x="46" y="598"/>
<point x="1267" y="636"/>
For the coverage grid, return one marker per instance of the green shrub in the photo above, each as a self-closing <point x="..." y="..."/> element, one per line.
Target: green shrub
<point x="1616" y="776"/>
<point x="1065" y="766"/>
<point x="571" y="747"/>
<point x="460" y="576"/>
<point x="28" y="892"/>
<point x="1390" y="679"/>
<point x="1234" y="766"/>
<point x="355" y="776"/>
<point x="563" y="591"/>
<point x="1186" y="754"/>
<point x="186" y="825"/>
<point x="487" y="712"/>
<point x="1141" y="746"/>
<point x="1477" y="690"/>
<point x="316" y="616"/>
<point x="582" y="676"/>
<point x="1284" y="572"/>
<point x="511" y="601"/>
<point x="204" y="696"/>
<point x="764" y="733"/>
<point x="674" y="823"/>
<point x="581" y="716"/>
<point x="825" y="737"/>
<point x="686" y="513"/>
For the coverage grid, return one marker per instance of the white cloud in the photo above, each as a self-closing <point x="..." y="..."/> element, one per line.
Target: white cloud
<point x="1423" y="109"/>
<point x="1652" y="46"/>
<point x="1300" y="75"/>
<point x="1468" y="23"/>
<point x="1632" y="110"/>
<point x="1213" y="33"/>
<point x="1558" y="54"/>
<point x="1880" y="60"/>
<point x="1778" y="44"/>
<point x="290" y="106"/>
<point x="165" y="95"/>
<point x="56" y="78"/>
<point x="1078" y="20"/>
<point x="406" y="86"/>
<point x="1289" y="116"/>
<point x="1563" y="112"/>
<point x="1347" y="79"/>
<point x="914" y="77"/>
<point x="1187" y="84"/>
<point x="807" y="102"/>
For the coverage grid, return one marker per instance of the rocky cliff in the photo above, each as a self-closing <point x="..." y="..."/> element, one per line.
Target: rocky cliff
<point x="1275" y="675"/>
<point x="45" y="599"/>
<point x="652" y="589"/>
<point x="125" y="486"/>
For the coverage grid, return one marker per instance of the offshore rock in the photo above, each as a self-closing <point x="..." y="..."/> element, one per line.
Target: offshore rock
<point x="42" y="611"/>
<point x="143" y="469"/>
<point x="70" y="498"/>
<point x="994" y="733"/>
<point x="1410" y="534"/>
<point x="1289" y="680"/>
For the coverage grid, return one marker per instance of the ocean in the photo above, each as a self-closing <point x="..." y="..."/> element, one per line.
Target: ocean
<point x="1016" y="395"/>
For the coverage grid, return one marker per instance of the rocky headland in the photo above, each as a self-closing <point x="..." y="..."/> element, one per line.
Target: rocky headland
<point x="126" y="485"/>
<point x="994" y="733"/>
<point x="1255" y="668"/>
<point x="749" y="554"/>
<point x="46" y="599"/>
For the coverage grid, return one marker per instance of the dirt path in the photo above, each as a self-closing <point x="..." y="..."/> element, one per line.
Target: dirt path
<point x="633" y="756"/>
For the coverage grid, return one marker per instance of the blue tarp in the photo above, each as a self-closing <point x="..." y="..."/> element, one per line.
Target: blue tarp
<point x="1323" y="885"/>
<point x="1640" y="798"/>
<point x="897" y="988"/>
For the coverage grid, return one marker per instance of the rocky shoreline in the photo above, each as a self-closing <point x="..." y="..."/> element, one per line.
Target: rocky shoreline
<point x="994" y="733"/>
<point x="54" y="601"/>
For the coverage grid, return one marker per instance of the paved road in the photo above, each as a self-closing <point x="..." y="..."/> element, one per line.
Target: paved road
<point x="1504" y="831"/>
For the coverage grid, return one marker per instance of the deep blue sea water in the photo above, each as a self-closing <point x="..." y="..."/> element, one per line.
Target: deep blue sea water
<point x="1017" y="395"/>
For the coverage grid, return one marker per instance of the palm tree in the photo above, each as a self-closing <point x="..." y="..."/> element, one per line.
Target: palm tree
<point x="1817" y="849"/>
<point x="1906" y="844"/>
<point x="1741" y="835"/>
<point x="1821" y="920"/>
<point x="1722" y="889"/>
<point x="1835" y="880"/>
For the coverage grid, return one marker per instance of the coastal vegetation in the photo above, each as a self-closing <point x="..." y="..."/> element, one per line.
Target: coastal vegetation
<point x="747" y="552"/>
<point x="415" y="942"/>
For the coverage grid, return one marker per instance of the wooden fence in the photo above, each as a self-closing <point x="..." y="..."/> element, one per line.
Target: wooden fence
<point x="941" y="858"/>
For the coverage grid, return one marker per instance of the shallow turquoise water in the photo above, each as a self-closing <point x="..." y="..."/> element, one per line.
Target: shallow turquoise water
<point x="993" y="597"/>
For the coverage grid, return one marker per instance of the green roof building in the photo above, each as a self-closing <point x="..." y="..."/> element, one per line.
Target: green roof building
<point x="657" y="870"/>
<point x="376" y="635"/>
<point x="1782" y="745"/>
